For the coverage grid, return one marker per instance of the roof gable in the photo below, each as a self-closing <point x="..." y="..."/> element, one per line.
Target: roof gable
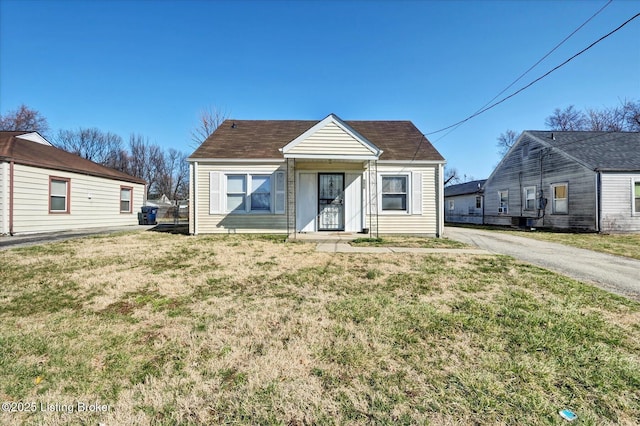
<point x="331" y="138"/>
<point x="255" y="140"/>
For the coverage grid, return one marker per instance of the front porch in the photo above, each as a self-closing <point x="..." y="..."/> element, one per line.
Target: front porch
<point x="331" y="199"/>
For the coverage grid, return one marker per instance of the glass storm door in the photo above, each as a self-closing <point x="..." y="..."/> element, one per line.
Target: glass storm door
<point x="331" y="201"/>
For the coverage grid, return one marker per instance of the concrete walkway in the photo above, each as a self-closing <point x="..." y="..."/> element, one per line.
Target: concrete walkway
<point x="9" y="242"/>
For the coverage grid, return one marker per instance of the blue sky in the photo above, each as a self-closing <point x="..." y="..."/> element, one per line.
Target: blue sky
<point x="149" y="67"/>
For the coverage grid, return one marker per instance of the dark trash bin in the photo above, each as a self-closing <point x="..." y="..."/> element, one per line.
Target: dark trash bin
<point x="147" y="216"/>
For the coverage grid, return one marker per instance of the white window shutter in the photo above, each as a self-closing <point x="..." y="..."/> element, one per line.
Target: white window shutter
<point x="281" y="189"/>
<point x="214" y="193"/>
<point x="416" y="193"/>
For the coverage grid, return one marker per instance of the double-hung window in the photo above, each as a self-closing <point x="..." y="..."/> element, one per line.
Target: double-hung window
<point x="394" y="193"/>
<point x="503" y="198"/>
<point x="560" y="194"/>
<point x="247" y="193"/>
<point x="236" y="193"/>
<point x="636" y="197"/>
<point x="125" y="199"/>
<point x="529" y="197"/>
<point x="59" y="194"/>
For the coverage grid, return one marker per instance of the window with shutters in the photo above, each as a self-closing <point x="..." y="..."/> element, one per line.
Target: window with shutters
<point x="247" y="193"/>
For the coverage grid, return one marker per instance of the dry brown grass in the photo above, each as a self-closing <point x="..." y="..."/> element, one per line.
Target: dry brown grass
<point x="170" y="329"/>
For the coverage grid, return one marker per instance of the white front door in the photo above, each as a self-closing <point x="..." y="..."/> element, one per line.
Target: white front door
<point x="306" y="203"/>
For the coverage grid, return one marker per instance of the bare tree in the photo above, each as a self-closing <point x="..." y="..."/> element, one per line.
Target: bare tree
<point x="90" y="143"/>
<point x="208" y="121"/>
<point x="451" y="176"/>
<point x="146" y="161"/>
<point x="506" y="141"/>
<point x="24" y="119"/>
<point x="622" y="118"/>
<point x="566" y="119"/>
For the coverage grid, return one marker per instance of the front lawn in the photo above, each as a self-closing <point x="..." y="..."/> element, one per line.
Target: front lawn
<point x="168" y="329"/>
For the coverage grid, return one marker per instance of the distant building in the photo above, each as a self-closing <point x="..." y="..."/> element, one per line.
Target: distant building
<point x="463" y="203"/>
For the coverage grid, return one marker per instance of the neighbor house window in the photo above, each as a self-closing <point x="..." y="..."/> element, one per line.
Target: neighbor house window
<point x="503" y="197"/>
<point x="636" y="197"/>
<point x="560" y="194"/>
<point x="125" y="199"/>
<point x="452" y="205"/>
<point x="478" y="202"/>
<point x="256" y="199"/>
<point x="59" y="194"/>
<point x="394" y="193"/>
<point x="529" y="198"/>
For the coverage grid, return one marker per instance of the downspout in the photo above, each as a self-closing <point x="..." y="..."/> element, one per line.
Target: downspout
<point x="194" y="198"/>
<point x="440" y="206"/>
<point x="598" y="202"/>
<point x="11" y="168"/>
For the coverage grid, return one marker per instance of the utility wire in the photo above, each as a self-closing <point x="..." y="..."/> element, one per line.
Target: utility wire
<point x="487" y="108"/>
<point x="534" y="65"/>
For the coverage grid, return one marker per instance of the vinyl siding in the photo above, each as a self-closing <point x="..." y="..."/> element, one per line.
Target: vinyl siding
<point x="404" y="223"/>
<point x="223" y="223"/>
<point x="617" y="202"/>
<point x="330" y="140"/>
<point x="464" y="211"/>
<point x="4" y="198"/>
<point x="94" y="202"/>
<point x="517" y="171"/>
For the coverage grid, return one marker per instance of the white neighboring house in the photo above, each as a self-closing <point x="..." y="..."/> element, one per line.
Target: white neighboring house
<point x="295" y="176"/>
<point x="46" y="189"/>
<point x="464" y="202"/>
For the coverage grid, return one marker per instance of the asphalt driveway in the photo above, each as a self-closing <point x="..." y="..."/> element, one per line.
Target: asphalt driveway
<point x="613" y="273"/>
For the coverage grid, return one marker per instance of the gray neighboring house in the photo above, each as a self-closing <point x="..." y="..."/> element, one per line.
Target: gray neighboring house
<point x="463" y="202"/>
<point x="583" y="181"/>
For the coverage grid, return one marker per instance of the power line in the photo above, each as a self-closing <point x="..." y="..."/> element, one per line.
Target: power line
<point x="487" y="108"/>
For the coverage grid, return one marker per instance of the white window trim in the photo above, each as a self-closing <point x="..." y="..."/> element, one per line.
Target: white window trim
<point x="500" y="202"/>
<point x="475" y="202"/>
<point x="247" y="193"/>
<point x="452" y="205"/>
<point x="553" y="197"/>
<point x="524" y="197"/>
<point x="405" y="212"/>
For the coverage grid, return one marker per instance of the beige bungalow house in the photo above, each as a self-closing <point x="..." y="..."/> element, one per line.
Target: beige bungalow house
<point x="298" y="176"/>
<point x="46" y="189"/>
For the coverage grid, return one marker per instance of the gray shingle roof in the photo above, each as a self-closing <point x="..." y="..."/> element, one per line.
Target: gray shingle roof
<point x="472" y="187"/>
<point x="261" y="139"/>
<point x="603" y="151"/>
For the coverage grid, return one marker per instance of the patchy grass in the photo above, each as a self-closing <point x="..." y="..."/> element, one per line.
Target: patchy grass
<point x="627" y="245"/>
<point x="405" y="241"/>
<point x="168" y="329"/>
